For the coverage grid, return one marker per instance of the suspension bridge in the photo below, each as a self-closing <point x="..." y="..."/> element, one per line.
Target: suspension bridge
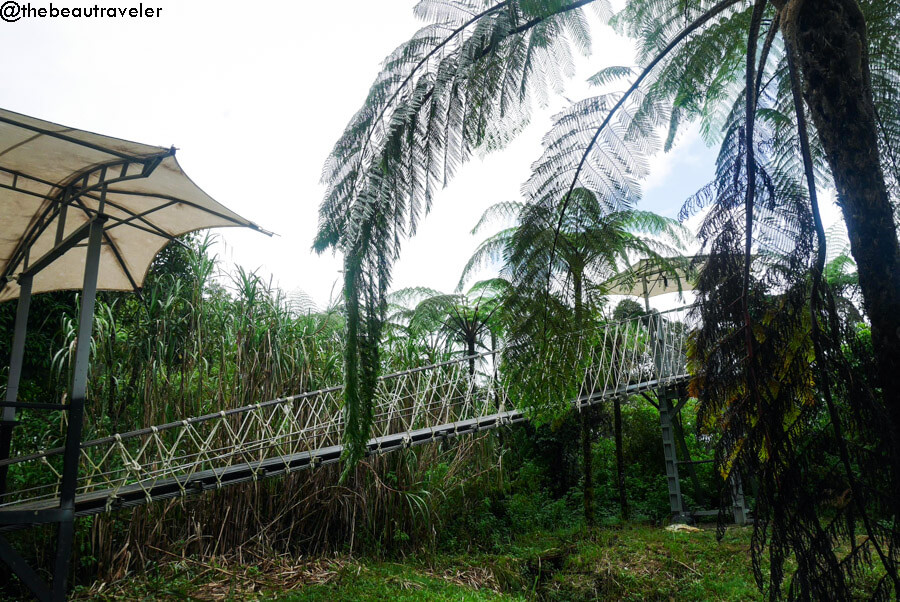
<point x="280" y="436"/>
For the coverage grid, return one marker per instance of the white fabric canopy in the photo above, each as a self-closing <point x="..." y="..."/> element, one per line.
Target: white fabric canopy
<point x="658" y="281"/>
<point x="52" y="181"/>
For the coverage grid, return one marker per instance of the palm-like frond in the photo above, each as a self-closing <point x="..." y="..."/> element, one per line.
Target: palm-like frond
<point x="462" y="82"/>
<point x="610" y="74"/>
<point x="491" y="251"/>
<point x="596" y="241"/>
<point x="466" y="81"/>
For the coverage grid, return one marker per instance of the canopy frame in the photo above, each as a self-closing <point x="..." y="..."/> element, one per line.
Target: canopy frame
<point x="92" y="183"/>
<point x="70" y="195"/>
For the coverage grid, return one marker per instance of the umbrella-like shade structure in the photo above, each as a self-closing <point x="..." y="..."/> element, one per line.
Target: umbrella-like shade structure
<point x="55" y="180"/>
<point x="648" y="278"/>
<point x="79" y="210"/>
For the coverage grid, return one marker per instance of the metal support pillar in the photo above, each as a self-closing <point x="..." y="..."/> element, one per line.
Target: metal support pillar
<point x="739" y="504"/>
<point x="76" y="413"/>
<point x="662" y="365"/>
<point x="666" y="415"/>
<point x="17" y="357"/>
<point x="646" y="294"/>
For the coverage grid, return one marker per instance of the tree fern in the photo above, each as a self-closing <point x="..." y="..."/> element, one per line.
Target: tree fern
<point x="465" y="81"/>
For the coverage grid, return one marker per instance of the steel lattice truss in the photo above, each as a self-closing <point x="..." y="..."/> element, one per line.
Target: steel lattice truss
<point x="303" y="431"/>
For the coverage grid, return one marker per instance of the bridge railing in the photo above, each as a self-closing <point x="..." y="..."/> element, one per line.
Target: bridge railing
<point x="282" y="434"/>
<point x="649" y="350"/>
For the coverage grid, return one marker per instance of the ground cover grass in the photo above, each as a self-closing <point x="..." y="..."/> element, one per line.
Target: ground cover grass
<point x="632" y="562"/>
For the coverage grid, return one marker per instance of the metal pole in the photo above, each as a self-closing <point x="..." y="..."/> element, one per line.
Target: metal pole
<point x="646" y="294"/>
<point x="76" y="411"/>
<point x="8" y="417"/>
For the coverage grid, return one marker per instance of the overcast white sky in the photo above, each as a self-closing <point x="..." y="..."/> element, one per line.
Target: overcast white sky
<point x="254" y="95"/>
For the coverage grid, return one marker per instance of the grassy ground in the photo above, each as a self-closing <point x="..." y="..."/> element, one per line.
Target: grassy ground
<point x="628" y="563"/>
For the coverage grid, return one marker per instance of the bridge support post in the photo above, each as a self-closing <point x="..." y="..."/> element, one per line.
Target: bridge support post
<point x="17" y="357"/>
<point x="663" y="364"/>
<point x="666" y="415"/>
<point x="72" y="453"/>
<point x="739" y="504"/>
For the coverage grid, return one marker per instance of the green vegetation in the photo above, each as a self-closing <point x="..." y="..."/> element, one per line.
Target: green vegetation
<point x="501" y="508"/>
<point x="794" y="359"/>
<point x="389" y="581"/>
<point x="196" y="345"/>
<point x="614" y="563"/>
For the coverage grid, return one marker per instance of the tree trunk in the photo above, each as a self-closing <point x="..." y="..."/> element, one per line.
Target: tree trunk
<point x="586" y="456"/>
<point x="588" y="461"/>
<point x="830" y="38"/>
<point x="620" y="458"/>
<point x="494" y="353"/>
<point x="558" y="467"/>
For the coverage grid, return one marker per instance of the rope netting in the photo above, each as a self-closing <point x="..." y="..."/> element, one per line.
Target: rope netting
<point x="281" y="435"/>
